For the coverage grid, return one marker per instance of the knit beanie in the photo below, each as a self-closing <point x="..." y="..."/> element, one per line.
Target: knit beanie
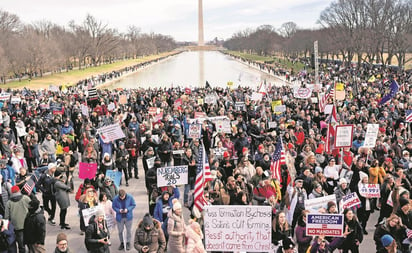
<point x="147" y="220"/>
<point x="330" y="204"/>
<point x="177" y="205"/>
<point x="61" y="237"/>
<point x="403" y="202"/>
<point x="386" y="240"/>
<point x="15" y="189"/>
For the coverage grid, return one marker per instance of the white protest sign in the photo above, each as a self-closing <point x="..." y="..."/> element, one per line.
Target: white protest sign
<point x="223" y="126"/>
<point x="15" y="100"/>
<point x="111" y="133"/>
<point x="155" y="138"/>
<point x="302" y="92"/>
<point x="272" y="124"/>
<point x="85" y="110"/>
<point x="280" y="108"/>
<point x="111" y="106"/>
<point x="238" y="228"/>
<point x="176" y="175"/>
<point x="210" y="99"/>
<point x="89" y="212"/>
<point x="5" y="96"/>
<point x="324" y="224"/>
<point x="348" y="201"/>
<point x="370" y="191"/>
<point x="178" y="152"/>
<point x="371" y="135"/>
<point x="317" y="205"/>
<point x="328" y="109"/>
<point x="150" y="162"/>
<point x="256" y="96"/>
<point x="194" y="131"/>
<point x="344" y="134"/>
<point x="314" y="100"/>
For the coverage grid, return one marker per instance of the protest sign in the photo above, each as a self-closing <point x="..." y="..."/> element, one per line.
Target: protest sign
<point x="272" y="124"/>
<point x="85" y="110"/>
<point x="175" y="175"/>
<point x="155" y="138"/>
<point x="111" y="133"/>
<point x="299" y="92"/>
<point x="238" y="228"/>
<point x="87" y="170"/>
<point x="280" y="109"/>
<point x="152" y="111"/>
<point x="256" y="96"/>
<point x="370" y="191"/>
<point x="344" y="134"/>
<point x="328" y="109"/>
<point x="178" y="152"/>
<point x="194" y="131"/>
<point x="348" y="201"/>
<point x="210" y="99"/>
<point x="178" y="102"/>
<point x="319" y="204"/>
<point x="200" y="115"/>
<point x="371" y="135"/>
<point x="5" y="96"/>
<point x="115" y="176"/>
<point x="324" y="224"/>
<point x="89" y="212"/>
<point x="111" y="107"/>
<point x="150" y="162"/>
<point x="122" y="99"/>
<point x="240" y="106"/>
<point x="276" y="103"/>
<point x="223" y="126"/>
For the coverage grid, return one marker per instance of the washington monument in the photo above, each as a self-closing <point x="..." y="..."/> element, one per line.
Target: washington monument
<point x="201" y="41"/>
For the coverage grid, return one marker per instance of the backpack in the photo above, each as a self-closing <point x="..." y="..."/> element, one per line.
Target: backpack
<point x="4" y="243"/>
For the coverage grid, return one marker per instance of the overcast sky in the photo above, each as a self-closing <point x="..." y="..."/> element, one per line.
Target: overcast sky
<point x="177" y="18"/>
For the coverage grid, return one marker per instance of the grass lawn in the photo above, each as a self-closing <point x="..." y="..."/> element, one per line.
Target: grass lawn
<point x="74" y="76"/>
<point x="276" y="61"/>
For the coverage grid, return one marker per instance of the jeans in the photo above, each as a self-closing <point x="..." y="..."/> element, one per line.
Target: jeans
<point x="189" y="186"/>
<point x="120" y="226"/>
<point x="20" y="240"/>
<point x="52" y="200"/>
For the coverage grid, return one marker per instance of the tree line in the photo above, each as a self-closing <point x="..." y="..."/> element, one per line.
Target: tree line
<point x="34" y="49"/>
<point x="373" y="31"/>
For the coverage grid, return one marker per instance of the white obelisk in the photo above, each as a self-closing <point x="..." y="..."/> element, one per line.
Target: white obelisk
<point x="201" y="41"/>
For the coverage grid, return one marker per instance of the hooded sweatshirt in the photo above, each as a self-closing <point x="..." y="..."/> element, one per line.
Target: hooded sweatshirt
<point x="16" y="209"/>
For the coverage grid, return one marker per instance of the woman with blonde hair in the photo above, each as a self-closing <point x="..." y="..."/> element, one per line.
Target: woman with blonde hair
<point x="87" y="200"/>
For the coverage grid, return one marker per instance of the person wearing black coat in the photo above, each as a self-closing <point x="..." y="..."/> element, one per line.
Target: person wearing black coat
<point x="165" y="151"/>
<point x="355" y="237"/>
<point x="35" y="227"/>
<point x="97" y="234"/>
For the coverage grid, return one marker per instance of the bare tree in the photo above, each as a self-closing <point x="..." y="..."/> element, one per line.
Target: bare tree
<point x="288" y="29"/>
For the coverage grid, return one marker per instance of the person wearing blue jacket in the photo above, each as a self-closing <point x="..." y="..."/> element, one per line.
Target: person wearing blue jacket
<point x="123" y="204"/>
<point x="164" y="203"/>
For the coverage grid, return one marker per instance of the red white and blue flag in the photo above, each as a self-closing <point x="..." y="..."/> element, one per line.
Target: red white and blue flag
<point x="29" y="185"/>
<point x="324" y="100"/>
<point x="408" y="116"/>
<point x="331" y="133"/>
<point x="278" y="158"/>
<point x="202" y="177"/>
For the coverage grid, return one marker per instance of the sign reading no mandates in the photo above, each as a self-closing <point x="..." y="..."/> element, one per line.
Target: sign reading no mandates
<point x="324" y="224"/>
<point x="238" y="228"/>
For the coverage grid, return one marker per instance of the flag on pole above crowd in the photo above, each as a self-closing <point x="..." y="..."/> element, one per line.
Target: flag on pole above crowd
<point x="324" y="100"/>
<point x="394" y="87"/>
<point x="331" y="133"/>
<point x="202" y="177"/>
<point x="278" y="159"/>
<point x="29" y="185"/>
<point x="408" y="116"/>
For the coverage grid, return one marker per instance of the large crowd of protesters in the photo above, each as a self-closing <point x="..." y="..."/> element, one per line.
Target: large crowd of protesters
<point x="46" y="134"/>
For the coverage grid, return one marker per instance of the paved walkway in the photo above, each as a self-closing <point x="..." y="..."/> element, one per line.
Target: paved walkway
<point x="138" y="190"/>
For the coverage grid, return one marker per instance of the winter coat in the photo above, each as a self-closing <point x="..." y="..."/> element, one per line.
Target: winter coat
<point x="94" y="234"/>
<point x="158" y="211"/>
<point x="130" y="204"/>
<point x="175" y="228"/>
<point x="153" y="238"/>
<point x="62" y="194"/>
<point x="16" y="209"/>
<point x="356" y="235"/>
<point x="302" y="239"/>
<point x="194" y="241"/>
<point x="110" y="190"/>
<point x="121" y="161"/>
<point x="293" y="198"/>
<point x="46" y="184"/>
<point x="35" y="227"/>
<point x="383" y="229"/>
<point x="165" y="146"/>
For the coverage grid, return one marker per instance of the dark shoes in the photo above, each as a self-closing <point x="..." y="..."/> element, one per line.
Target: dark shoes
<point x="52" y="222"/>
<point x="127" y="184"/>
<point x="65" y="226"/>
<point x="121" y="247"/>
<point x="137" y="177"/>
<point x="128" y="246"/>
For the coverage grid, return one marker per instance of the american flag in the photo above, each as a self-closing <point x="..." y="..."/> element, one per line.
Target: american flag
<point x="408" y="115"/>
<point x="323" y="101"/>
<point x="29" y="185"/>
<point x="331" y="131"/>
<point x="394" y="87"/>
<point x="278" y="158"/>
<point x="202" y="176"/>
<point x="92" y="94"/>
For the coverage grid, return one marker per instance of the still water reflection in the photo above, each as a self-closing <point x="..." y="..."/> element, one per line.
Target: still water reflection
<point x="190" y="69"/>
